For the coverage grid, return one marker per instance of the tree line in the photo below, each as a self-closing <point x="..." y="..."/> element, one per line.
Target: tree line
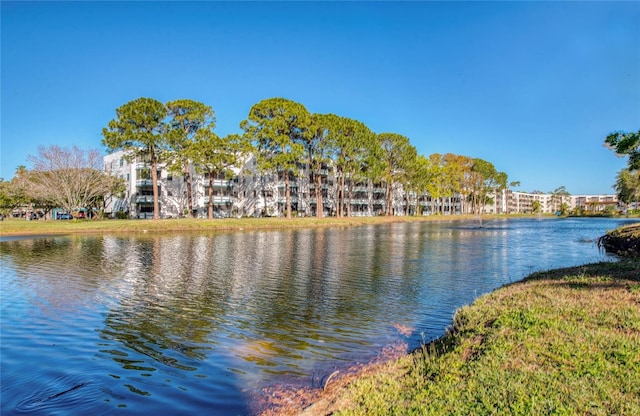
<point x="283" y="136"/>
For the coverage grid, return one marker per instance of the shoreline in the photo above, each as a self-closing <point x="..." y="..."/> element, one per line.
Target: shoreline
<point x="336" y="392"/>
<point x="391" y="386"/>
<point x="20" y="227"/>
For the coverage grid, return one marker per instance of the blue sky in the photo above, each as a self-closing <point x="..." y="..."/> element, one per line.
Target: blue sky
<point x="533" y="87"/>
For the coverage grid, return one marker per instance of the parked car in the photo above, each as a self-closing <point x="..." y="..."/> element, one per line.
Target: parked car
<point x="64" y="216"/>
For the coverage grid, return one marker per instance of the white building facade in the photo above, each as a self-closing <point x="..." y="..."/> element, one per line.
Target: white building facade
<point x="249" y="193"/>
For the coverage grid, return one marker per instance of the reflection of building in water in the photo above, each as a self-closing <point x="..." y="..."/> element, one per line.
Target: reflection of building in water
<point x="249" y="193"/>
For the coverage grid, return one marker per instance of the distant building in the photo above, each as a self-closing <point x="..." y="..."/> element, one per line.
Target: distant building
<point x="596" y="203"/>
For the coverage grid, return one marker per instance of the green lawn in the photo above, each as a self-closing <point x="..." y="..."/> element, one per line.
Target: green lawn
<point x="14" y="226"/>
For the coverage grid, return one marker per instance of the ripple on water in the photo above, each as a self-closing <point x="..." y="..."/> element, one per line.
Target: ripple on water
<point x="61" y="394"/>
<point x="193" y="324"/>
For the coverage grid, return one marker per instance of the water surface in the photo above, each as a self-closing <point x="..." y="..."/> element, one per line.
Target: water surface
<point x="196" y="323"/>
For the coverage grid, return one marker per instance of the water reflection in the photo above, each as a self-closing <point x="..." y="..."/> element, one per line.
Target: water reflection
<point x="202" y="321"/>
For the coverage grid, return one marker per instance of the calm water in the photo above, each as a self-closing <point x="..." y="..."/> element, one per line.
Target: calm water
<point x="199" y="324"/>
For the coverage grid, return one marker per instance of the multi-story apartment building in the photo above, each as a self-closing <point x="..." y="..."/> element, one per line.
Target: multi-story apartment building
<point x="247" y="192"/>
<point x="242" y="194"/>
<point x="514" y="202"/>
<point x="595" y="203"/>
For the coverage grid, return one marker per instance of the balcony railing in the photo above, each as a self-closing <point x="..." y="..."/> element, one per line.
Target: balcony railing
<point x="144" y="182"/>
<point x="143" y="199"/>
<point x="221" y="183"/>
<point x="219" y="200"/>
<point x="283" y="200"/>
<point x="323" y="186"/>
<point x="359" y="202"/>
<point x="360" y="189"/>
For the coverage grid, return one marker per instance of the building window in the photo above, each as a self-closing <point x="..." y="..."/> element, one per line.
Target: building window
<point x="121" y="162"/>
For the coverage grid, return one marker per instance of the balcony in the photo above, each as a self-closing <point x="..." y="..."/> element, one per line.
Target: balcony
<point x="360" y="189"/>
<point x="323" y="187"/>
<point x="359" y="202"/>
<point x="143" y="165"/>
<point x="219" y="200"/>
<point x="221" y="183"/>
<point x="144" y="199"/>
<point x="144" y="182"/>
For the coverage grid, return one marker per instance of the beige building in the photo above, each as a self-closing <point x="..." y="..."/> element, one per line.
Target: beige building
<point x="513" y="202"/>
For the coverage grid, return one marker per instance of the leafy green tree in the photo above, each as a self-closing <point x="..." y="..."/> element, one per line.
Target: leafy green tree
<point x="559" y="197"/>
<point x="458" y="170"/>
<point x="398" y="156"/>
<point x="214" y="155"/>
<point x="12" y="193"/>
<point x="320" y="148"/>
<point x="536" y="206"/>
<point x="626" y="144"/>
<point x="117" y="189"/>
<point x="628" y="186"/>
<point x="23" y="193"/>
<point x="7" y="200"/>
<point x="421" y="175"/>
<point x="485" y="181"/>
<point x="355" y="157"/>
<point x="140" y="129"/>
<point x="438" y="183"/>
<point x="186" y="118"/>
<point x="277" y="127"/>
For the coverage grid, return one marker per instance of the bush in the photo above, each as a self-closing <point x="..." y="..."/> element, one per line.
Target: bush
<point x="122" y="215"/>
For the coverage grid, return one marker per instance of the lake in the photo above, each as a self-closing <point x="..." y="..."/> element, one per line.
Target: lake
<point x="195" y="323"/>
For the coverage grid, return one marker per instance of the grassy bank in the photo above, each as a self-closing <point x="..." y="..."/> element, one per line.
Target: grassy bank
<point x="22" y="227"/>
<point x="561" y="342"/>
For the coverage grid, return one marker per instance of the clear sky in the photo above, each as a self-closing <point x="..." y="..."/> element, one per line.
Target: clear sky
<point x="533" y="87"/>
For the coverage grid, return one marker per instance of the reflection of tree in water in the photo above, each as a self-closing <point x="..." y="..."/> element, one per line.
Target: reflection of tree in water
<point x="59" y="272"/>
<point x="172" y="307"/>
<point x="271" y="302"/>
<point x="306" y="308"/>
